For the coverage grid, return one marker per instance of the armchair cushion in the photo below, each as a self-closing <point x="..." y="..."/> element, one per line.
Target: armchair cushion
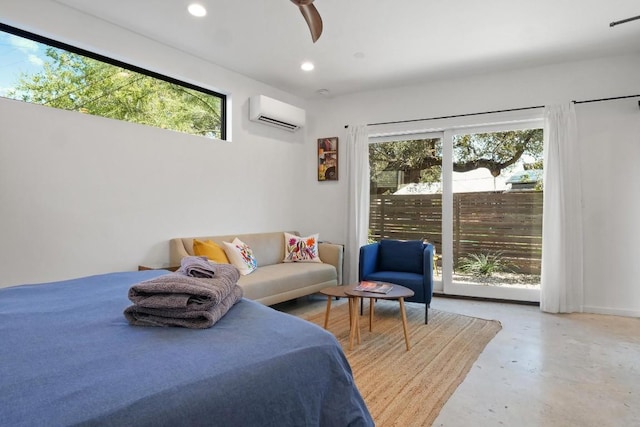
<point x="413" y="281"/>
<point x="398" y="255"/>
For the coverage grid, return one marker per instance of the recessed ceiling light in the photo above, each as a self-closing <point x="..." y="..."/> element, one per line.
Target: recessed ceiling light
<point x="307" y="66"/>
<point x="197" y="10"/>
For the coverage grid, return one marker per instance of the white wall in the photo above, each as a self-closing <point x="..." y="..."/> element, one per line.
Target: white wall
<point x="609" y="135"/>
<point x="84" y="195"/>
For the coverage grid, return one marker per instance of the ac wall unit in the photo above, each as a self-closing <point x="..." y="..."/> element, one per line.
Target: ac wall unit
<point x="276" y="113"/>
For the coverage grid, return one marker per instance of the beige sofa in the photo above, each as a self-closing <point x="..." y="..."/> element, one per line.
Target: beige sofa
<point x="274" y="281"/>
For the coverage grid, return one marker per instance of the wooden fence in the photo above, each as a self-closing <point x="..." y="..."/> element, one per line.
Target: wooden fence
<point x="510" y="223"/>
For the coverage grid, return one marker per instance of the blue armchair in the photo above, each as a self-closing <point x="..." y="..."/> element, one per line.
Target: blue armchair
<point x="405" y="263"/>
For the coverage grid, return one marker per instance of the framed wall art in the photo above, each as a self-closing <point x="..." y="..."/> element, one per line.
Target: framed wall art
<point x="328" y="159"/>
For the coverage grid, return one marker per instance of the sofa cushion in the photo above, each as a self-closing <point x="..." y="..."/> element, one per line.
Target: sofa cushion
<point x="286" y="277"/>
<point x="301" y="249"/>
<point x="241" y="256"/>
<point x="401" y="255"/>
<point x="211" y="250"/>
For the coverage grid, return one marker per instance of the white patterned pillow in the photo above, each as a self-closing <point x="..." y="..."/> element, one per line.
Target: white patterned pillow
<point x="301" y="249"/>
<point x="241" y="256"/>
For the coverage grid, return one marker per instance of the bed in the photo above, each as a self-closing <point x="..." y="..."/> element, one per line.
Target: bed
<point x="69" y="357"/>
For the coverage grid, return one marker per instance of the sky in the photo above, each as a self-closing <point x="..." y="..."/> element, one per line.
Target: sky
<point x="18" y="55"/>
<point x="467" y="182"/>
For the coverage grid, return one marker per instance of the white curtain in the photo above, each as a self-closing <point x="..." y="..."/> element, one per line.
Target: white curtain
<point x="357" y="199"/>
<point x="562" y="261"/>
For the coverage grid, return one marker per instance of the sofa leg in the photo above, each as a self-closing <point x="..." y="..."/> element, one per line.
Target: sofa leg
<point x="426" y="314"/>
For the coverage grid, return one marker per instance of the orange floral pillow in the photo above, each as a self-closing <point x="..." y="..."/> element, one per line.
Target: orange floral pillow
<point x="301" y="249"/>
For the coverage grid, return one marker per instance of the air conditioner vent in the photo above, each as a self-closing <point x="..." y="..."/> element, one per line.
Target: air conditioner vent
<point x="277" y="123"/>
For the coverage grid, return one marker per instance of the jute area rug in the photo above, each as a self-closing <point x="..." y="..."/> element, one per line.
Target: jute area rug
<point x="408" y="388"/>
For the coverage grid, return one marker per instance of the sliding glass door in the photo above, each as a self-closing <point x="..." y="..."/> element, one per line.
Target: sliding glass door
<point x="493" y="204"/>
<point x="476" y="194"/>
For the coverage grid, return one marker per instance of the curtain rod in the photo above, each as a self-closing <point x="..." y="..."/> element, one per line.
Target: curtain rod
<point x="623" y="21"/>
<point x="605" y="99"/>
<point x="497" y="111"/>
<point x="453" y="116"/>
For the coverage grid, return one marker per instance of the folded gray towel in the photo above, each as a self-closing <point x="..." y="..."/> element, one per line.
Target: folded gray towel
<point x="196" y="266"/>
<point x="177" y="291"/>
<point x="142" y="316"/>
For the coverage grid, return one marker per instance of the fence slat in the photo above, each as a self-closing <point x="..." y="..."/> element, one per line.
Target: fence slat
<point x="510" y="223"/>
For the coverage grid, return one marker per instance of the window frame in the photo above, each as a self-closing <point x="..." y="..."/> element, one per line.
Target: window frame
<point x="102" y="58"/>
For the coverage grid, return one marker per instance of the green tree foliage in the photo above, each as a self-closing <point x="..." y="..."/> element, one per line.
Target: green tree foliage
<point x="495" y="151"/>
<point x="74" y="82"/>
<point x="421" y="160"/>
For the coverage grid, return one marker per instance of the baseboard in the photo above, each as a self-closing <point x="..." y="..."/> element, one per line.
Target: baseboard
<point x="610" y="311"/>
<point x="585" y="309"/>
<point x="510" y="301"/>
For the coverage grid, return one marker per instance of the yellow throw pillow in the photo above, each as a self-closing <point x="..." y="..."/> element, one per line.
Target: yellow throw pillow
<point x="211" y="250"/>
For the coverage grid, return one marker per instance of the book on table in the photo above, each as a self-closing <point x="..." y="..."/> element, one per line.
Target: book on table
<point x="376" y="287"/>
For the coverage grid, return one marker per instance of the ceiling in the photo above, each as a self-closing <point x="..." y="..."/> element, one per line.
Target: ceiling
<point x="373" y="44"/>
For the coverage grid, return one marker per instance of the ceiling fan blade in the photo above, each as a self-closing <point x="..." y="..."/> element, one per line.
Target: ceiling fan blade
<point x="314" y="21"/>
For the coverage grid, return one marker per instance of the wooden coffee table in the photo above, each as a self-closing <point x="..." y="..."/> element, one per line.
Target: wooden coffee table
<point x="396" y="293"/>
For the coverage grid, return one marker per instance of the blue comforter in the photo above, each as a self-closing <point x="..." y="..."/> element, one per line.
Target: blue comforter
<point x="69" y="357"/>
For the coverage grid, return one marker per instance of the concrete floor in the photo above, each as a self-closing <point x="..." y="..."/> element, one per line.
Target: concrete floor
<point x="546" y="369"/>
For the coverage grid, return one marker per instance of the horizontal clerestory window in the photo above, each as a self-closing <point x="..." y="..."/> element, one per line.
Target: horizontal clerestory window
<point x="42" y="71"/>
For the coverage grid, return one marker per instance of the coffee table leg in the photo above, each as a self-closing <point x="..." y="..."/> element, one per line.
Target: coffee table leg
<point x="404" y="322"/>
<point x="354" y="321"/>
<point x="355" y="308"/>
<point x="353" y="312"/>
<point x="371" y="305"/>
<point x="326" y="314"/>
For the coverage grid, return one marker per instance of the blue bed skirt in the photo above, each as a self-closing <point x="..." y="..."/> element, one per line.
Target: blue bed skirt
<point x="69" y="357"/>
